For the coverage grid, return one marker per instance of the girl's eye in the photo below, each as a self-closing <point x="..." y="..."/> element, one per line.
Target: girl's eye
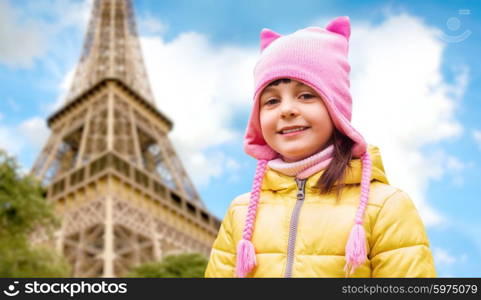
<point x="271" y="102"/>
<point x="307" y="96"/>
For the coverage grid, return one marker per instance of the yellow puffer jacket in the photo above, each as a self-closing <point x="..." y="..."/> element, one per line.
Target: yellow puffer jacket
<point x="396" y="238"/>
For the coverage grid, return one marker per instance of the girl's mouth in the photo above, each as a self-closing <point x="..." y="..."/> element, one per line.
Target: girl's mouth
<point x="294" y="131"/>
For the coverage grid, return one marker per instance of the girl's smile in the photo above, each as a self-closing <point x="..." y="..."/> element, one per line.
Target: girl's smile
<point x="293" y="132"/>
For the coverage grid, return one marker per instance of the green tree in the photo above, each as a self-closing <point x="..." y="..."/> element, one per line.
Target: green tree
<point x="22" y="210"/>
<point x="187" y="265"/>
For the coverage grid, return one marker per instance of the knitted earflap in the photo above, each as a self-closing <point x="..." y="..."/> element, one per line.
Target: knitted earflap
<point x="246" y="255"/>
<point x="356" y="252"/>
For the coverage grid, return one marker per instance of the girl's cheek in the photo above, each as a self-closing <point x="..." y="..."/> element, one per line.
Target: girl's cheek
<point x="265" y="117"/>
<point x="264" y="124"/>
<point x="270" y="122"/>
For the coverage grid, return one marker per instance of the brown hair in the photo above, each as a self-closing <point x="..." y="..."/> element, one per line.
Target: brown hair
<point x="341" y="159"/>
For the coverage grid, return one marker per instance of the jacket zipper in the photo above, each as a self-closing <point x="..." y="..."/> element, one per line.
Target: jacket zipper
<point x="301" y="186"/>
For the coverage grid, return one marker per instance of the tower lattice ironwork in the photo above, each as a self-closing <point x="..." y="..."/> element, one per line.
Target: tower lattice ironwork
<point x="111" y="172"/>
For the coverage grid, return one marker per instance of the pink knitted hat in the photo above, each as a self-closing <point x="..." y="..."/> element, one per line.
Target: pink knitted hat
<point x="317" y="57"/>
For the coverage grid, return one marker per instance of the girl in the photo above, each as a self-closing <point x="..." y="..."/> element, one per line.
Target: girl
<point x="321" y="205"/>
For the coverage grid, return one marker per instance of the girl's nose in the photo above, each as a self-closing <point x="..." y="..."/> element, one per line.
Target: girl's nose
<point x="288" y="110"/>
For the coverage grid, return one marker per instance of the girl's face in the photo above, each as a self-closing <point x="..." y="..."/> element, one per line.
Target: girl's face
<point x="294" y="120"/>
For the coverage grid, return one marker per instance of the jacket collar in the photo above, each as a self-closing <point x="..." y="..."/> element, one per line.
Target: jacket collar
<point x="276" y="181"/>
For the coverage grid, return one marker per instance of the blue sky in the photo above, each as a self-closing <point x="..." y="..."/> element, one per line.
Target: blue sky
<point x="415" y="84"/>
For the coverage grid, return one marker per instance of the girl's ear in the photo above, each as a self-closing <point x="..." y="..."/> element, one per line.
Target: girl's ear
<point x="267" y="37"/>
<point x="340" y="25"/>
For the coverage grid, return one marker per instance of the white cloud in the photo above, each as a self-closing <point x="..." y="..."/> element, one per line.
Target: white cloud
<point x="150" y="25"/>
<point x="232" y="165"/>
<point x="442" y="257"/>
<point x="455" y="164"/>
<point x="31" y="134"/>
<point x="27" y="34"/>
<point x="456" y="169"/>
<point x="63" y="88"/>
<point x="35" y="131"/>
<point x="477" y="138"/>
<point x="9" y="141"/>
<point x="21" y="39"/>
<point x="445" y="261"/>
<point x="402" y="103"/>
<point x="200" y="87"/>
<point x="202" y="167"/>
<point x="62" y="14"/>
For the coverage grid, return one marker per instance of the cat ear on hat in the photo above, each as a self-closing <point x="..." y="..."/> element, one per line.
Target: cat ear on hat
<point x="340" y="25"/>
<point x="267" y="37"/>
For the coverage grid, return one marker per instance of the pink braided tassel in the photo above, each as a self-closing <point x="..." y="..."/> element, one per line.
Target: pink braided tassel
<point x="246" y="258"/>
<point x="356" y="253"/>
<point x="246" y="254"/>
<point x="355" y="249"/>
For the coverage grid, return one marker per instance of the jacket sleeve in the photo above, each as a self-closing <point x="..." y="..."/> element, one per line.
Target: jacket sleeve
<point x="400" y="246"/>
<point x="222" y="256"/>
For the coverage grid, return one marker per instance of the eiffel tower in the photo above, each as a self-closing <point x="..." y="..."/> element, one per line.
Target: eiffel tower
<point x="111" y="172"/>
